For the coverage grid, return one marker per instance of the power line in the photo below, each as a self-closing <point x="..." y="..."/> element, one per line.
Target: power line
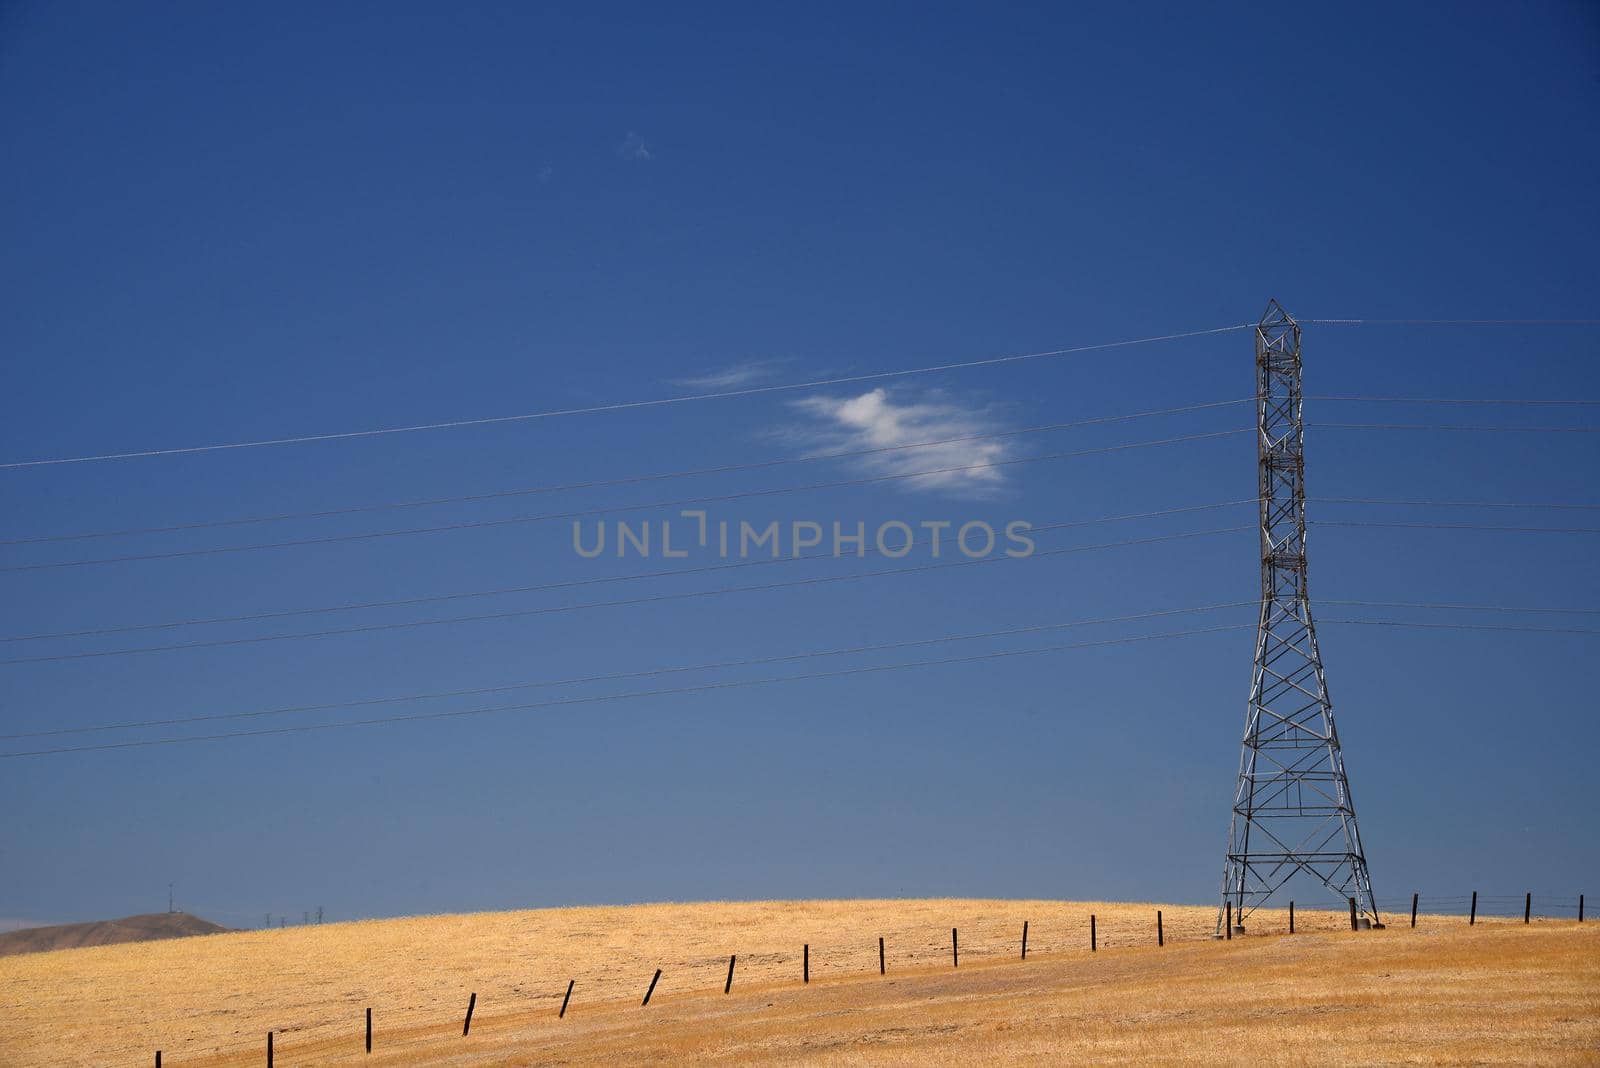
<point x="625" y="405"/>
<point x="627" y="602"/>
<point x="1451" y="504"/>
<point x="700" y="688"/>
<point x="624" y="675"/>
<point x="461" y="526"/>
<point x="606" y="698"/>
<point x="709" y="499"/>
<point x="1452" y="322"/>
<point x="628" y="480"/>
<point x="481" y="524"/>
<point x="1447" y="607"/>
<point x="1506" y="401"/>
<point x="1448" y="426"/>
<point x="751" y="662"/>
<point x="657" y="598"/>
<point x="760" y="390"/>
<point x="473" y="498"/>
<point x="1464" y="526"/>
<point x="575" y="583"/>
<point x="1463" y="626"/>
<point x="545" y="587"/>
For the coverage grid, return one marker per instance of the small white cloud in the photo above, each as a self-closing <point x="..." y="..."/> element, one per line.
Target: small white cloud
<point x="875" y="421"/>
<point x="633" y="147"/>
<point x="730" y="377"/>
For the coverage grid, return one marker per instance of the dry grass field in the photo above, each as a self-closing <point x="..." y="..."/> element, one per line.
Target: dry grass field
<point x="1496" y="993"/>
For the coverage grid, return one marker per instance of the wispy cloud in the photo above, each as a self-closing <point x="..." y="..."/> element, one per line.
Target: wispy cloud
<point x="874" y="420"/>
<point x="731" y="377"/>
<point x="633" y="147"/>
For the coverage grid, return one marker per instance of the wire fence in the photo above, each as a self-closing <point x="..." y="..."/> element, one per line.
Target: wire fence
<point x="1526" y="906"/>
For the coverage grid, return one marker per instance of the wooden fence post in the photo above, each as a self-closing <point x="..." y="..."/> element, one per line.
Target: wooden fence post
<point x="805" y="973"/>
<point x="369" y="1029"/>
<point x="158" y="1059"/>
<point x="1093" y="939"/>
<point x="880" y="955"/>
<point x="1352" y="914"/>
<point x="563" y="1013"/>
<point x="656" y="978"/>
<point x="1527" y="907"/>
<point x="1025" y="937"/>
<point x="466" y="1025"/>
<point x="1161" y="937"/>
<point x="269" y="1049"/>
<point x="1580" y="908"/>
<point x="1291" y="917"/>
<point x="955" y="950"/>
<point x="729" y="984"/>
<point x="1472" y="917"/>
<point x="1227" y="922"/>
<point x="1413" y="908"/>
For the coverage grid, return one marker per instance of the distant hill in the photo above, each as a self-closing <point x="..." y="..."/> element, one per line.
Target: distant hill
<point x="157" y="925"/>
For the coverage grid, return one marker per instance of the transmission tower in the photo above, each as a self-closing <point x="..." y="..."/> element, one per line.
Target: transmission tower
<point x="1292" y="810"/>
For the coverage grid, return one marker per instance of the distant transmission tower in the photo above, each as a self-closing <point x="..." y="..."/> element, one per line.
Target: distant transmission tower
<point x="1292" y="810"/>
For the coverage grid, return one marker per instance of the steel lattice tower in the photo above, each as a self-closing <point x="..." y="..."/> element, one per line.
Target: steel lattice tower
<point x="1292" y="810"/>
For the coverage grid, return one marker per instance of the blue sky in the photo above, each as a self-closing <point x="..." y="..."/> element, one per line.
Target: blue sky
<point x="226" y="225"/>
